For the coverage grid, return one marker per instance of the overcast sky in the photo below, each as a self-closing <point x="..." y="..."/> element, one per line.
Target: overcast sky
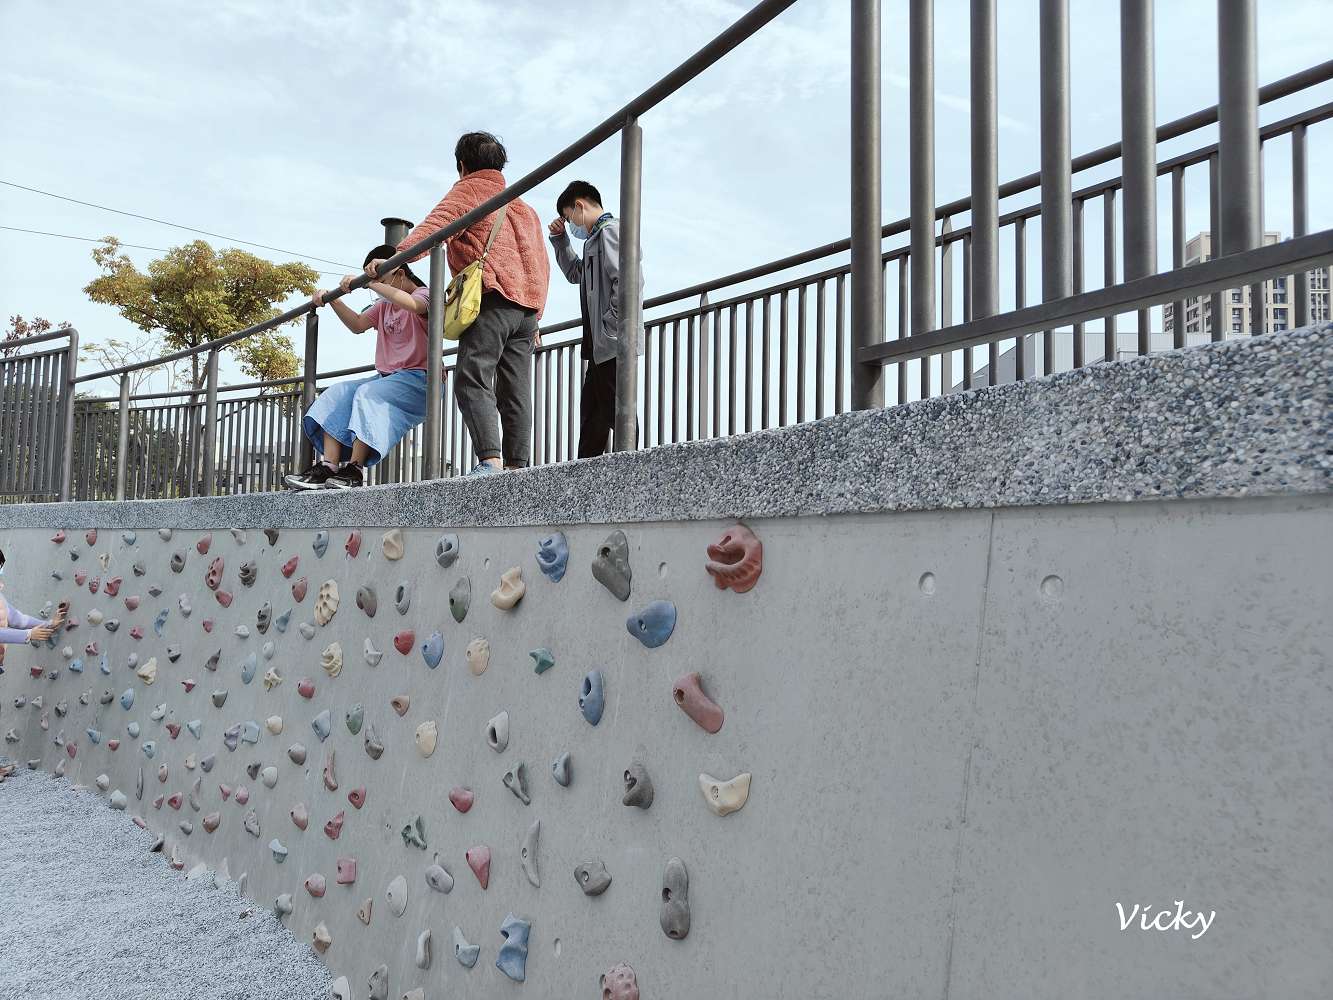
<point x="299" y="125"/>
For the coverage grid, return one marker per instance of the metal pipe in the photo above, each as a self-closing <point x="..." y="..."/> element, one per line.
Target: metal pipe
<point x="1137" y="117"/>
<point x="430" y="466"/>
<point x="1178" y="252"/>
<point x="1299" y="222"/>
<point x="630" y="293"/>
<point x="123" y="436"/>
<point x="1216" y="327"/>
<point x="1108" y="270"/>
<point x="211" y="425"/>
<point x="867" y="305"/>
<point x="395" y="230"/>
<point x="1238" y="125"/>
<point x="1057" y="224"/>
<point x="985" y="255"/>
<point x="71" y="375"/>
<point x="1080" y="345"/>
<point x="309" y="373"/>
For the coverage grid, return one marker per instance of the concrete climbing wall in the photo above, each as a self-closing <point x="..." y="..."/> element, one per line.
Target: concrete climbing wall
<point x="970" y="736"/>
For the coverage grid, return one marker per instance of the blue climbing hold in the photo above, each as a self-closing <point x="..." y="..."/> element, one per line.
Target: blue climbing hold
<point x="432" y="650"/>
<point x="160" y="621"/>
<point x="133" y="730"/>
<point x="248" y="668"/>
<point x="553" y="556"/>
<point x="542" y="659"/>
<point x="283" y="620"/>
<point x="149" y="749"/>
<point x="592" y="697"/>
<point x="76" y="665"/>
<point x="129" y="537"/>
<point x="127" y="699"/>
<point x="104" y="666"/>
<point x="653" y="625"/>
<point x="322" y="725"/>
<point x="195" y="726"/>
<point x="250" y="732"/>
<point x="513" y="957"/>
<point x="94" y="736"/>
<point x="321" y="543"/>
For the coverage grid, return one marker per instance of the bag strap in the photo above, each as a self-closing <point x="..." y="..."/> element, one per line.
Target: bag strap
<point x="495" y="229"/>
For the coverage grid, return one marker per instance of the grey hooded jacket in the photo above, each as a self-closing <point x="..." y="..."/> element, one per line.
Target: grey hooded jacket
<point x="598" y="274"/>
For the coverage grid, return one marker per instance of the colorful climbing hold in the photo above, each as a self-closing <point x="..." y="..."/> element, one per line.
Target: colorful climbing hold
<point x="689" y="694"/>
<point x="461" y="798"/>
<point x="610" y="567"/>
<point x="513" y="956"/>
<point x="542" y="660"/>
<point x="357" y="796"/>
<point x="334" y="827"/>
<point x="464" y="952"/>
<point x="592" y="697"/>
<point x="332" y="659"/>
<point x="654" y="624"/>
<point x="736" y="560"/>
<point x="478" y="656"/>
<point x="479" y="860"/>
<point x="619" y="983"/>
<point x="432" y="650"/>
<point x="404" y="641"/>
<point x="392" y="544"/>
<point x="346" y="871"/>
<point x="426" y="737"/>
<point x="553" y="556"/>
<point x="299" y="589"/>
<point x="460" y="599"/>
<point x="353" y="544"/>
<point x="326" y="602"/>
<point x="725" y="797"/>
<point x="289" y="567"/>
<point x="511" y="589"/>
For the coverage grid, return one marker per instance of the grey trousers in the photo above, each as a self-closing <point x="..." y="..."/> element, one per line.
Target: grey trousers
<point x="493" y="379"/>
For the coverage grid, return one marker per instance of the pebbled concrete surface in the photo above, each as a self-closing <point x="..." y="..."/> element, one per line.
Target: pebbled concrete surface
<point x="87" y="913"/>
<point x="1238" y="418"/>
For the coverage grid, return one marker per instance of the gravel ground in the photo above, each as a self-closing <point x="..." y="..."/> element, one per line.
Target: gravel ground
<point x="86" y="911"/>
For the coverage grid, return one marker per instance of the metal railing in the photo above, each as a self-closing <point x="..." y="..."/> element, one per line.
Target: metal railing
<point x="814" y="344"/>
<point x="36" y="392"/>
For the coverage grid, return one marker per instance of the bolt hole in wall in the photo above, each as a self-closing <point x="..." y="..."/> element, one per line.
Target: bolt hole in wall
<point x="927" y="584"/>
<point x="1052" y="588"/>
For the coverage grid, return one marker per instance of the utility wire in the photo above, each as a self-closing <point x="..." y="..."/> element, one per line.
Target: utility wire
<point x="163" y="222"/>
<point x="133" y="246"/>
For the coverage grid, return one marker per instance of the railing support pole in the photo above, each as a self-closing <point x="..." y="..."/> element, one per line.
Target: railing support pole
<point x="308" y="374"/>
<point x="123" y="437"/>
<point x="1238" y="132"/>
<point x="430" y="466"/>
<point x="1139" y="131"/>
<point x="67" y="458"/>
<point x="1057" y="209"/>
<point x="631" y="295"/>
<point x="211" y="425"/>
<point x="867" y="308"/>
<point x="1299" y="222"/>
<point x="984" y="270"/>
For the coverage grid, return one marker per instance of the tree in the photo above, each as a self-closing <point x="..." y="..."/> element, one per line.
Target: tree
<point x="196" y="294"/>
<point x="19" y="328"/>
<point x="116" y="353"/>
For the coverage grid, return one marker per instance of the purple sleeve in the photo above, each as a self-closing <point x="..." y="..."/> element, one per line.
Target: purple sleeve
<point x="13" y="636"/>
<point x="18" y="620"/>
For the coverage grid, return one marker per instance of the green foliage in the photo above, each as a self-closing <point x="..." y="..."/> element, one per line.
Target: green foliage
<point x="195" y="294"/>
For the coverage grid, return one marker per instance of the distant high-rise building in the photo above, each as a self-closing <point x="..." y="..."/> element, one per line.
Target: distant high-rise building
<point x="1279" y="298"/>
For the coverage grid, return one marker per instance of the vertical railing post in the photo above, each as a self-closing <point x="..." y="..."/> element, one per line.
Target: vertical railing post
<point x="123" y="437"/>
<point x="1139" y="148"/>
<point x="211" y="425"/>
<point x="430" y="466"/>
<point x="1300" y="283"/>
<point x="984" y="269"/>
<point x="67" y="459"/>
<point x="308" y="373"/>
<point x="1238" y="131"/>
<point x="705" y="387"/>
<point x="867" y="308"/>
<point x="1178" y="254"/>
<point x="1057" y="223"/>
<point x="921" y="163"/>
<point x="631" y="295"/>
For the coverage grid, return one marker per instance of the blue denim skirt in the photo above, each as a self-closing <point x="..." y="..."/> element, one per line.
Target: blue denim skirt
<point x="378" y="410"/>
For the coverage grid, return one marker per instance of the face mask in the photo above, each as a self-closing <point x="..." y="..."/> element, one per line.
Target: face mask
<point x="578" y="232"/>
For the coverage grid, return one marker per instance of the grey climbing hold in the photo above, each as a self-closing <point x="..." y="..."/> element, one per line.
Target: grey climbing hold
<point x="195" y="726"/>
<point x="272" y="535"/>
<point x="675" y="914"/>
<point x="542" y="660"/>
<point x="249" y="573"/>
<point x="374" y="748"/>
<point x="638" y="786"/>
<point x="460" y="598"/>
<point x="341" y="989"/>
<point x="423" y="949"/>
<point x="402" y="597"/>
<point x="128" y="537"/>
<point x="263" y="617"/>
<point x="414" y="833"/>
<point x="439" y="879"/>
<point x="516" y="780"/>
<point x="282" y="906"/>
<point x="373" y="655"/>
<point x="283" y="620"/>
<point x="173" y="652"/>
<point x="464" y="952"/>
<point x="118" y="800"/>
<point x="103" y="782"/>
<point x="159" y="712"/>
<point x="446" y="550"/>
<point x="239" y="535"/>
<point x="127" y="699"/>
<point x="513" y="956"/>
<point x="219" y="698"/>
<point x="527" y="853"/>
<point x="279" y="850"/>
<point x="321" y="543"/>
<point x="297" y="754"/>
<point x="592" y="877"/>
<point x="497" y="732"/>
<point x="268" y="649"/>
<point x="250" y="732"/>
<point x="432" y="650"/>
<point x="251" y="823"/>
<point x="111" y="624"/>
<point x="248" y="667"/>
<point x="242" y="631"/>
<point x="561" y="770"/>
<point x="355" y="716"/>
<point x="592" y="697"/>
<point x="231" y="737"/>
<point x="177" y="562"/>
<point x="611" y="566"/>
<point x="367" y="601"/>
<point x="269" y="776"/>
<point x="206" y="763"/>
<point x="150" y="749"/>
<point x="396" y="894"/>
<point x="212" y="662"/>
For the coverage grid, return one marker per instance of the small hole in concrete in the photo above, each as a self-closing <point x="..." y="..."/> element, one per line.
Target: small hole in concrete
<point x="927" y="584"/>
<point x="557" y="947"/>
<point x="1052" y="588"/>
<point x="486" y="564"/>
<point x="662" y="570"/>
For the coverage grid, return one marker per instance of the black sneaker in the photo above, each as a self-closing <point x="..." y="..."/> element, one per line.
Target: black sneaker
<point x="312" y="478"/>
<point x="346" y="478"/>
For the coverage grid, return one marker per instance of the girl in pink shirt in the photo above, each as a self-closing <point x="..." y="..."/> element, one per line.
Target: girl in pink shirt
<point x="353" y="425"/>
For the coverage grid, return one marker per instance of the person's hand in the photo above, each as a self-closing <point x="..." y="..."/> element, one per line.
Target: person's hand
<point x="40" y="633"/>
<point x="373" y="270"/>
<point x="557" y="226"/>
<point x="318" y="298"/>
<point x="59" y="619"/>
<point x="346" y="283"/>
<point x="537" y="339"/>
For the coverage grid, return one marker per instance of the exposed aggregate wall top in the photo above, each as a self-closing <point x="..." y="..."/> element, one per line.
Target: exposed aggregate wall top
<point x="1239" y="418"/>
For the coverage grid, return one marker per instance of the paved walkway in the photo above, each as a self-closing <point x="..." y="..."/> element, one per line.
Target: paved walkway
<point x="88" y="913"/>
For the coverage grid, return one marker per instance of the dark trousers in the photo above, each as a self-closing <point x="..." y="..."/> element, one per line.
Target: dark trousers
<point x="493" y="379"/>
<point x="597" y="416"/>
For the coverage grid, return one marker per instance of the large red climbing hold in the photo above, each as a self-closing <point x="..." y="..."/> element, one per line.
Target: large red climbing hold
<point x="736" y="559"/>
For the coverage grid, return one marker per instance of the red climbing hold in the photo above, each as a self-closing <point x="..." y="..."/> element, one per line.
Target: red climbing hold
<point x="479" y="860"/>
<point x="404" y="641"/>
<point x="353" y="545"/>
<point x="462" y="798"/>
<point x="289" y="567"/>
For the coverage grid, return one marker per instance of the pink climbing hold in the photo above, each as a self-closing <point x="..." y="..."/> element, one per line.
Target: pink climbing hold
<point x="619" y="983"/>
<point x="175" y="801"/>
<point x="315" y="885"/>
<point x="461" y="798"/>
<point x="59" y="537"/>
<point x="112" y="587"/>
<point x="736" y="560"/>
<point x="90" y="536"/>
<point x="404" y="641"/>
<point x="300" y="816"/>
<point x="157" y="802"/>
<point x="305" y="687"/>
<point x="79" y="577"/>
<point x="136" y="633"/>
<point x="299" y="589"/>
<point x="213" y="578"/>
<point x="334" y="827"/>
<point x="72" y="749"/>
<point x="242" y="795"/>
<point x="346" y="871"/>
<point x="35" y="671"/>
<point x="204" y="543"/>
<point x="689" y="695"/>
<point x="174" y="729"/>
<point x="89" y="650"/>
<point x="139" y="822"/>
<point x="226" y="791"/>
<point x="212" y="821"/>
<point x="479" y="860"/>
<point x="357" y="796"/>
<point x="132" y="603"/>
<point x="113" y="744"/>
<point x="224" y="598"/>
<point x="289" y="567"/>
<point x="188" y="684"/>
<point x="208" y="624"/>
<point x="94" y="584"/>
<point x="353" y="545"/>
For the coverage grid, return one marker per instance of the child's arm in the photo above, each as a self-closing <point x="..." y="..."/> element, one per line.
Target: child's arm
<point x="353" y="320"/>
<point x="418" y="304"/>
<point x="20" y="626"/>
<point x="569" y="262"/>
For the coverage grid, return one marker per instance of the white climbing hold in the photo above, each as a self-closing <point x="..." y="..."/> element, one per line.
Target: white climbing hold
<point x="396" y="894"/>
<point x="148" y="671"/>
<point x="332" y="659"/>
<point x="427" y="735"/>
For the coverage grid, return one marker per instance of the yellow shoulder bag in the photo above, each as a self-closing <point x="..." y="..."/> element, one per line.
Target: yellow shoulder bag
<point x="462" y="299"/>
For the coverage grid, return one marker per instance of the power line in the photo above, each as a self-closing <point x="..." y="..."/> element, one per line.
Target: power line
<point x="133" y="246"/>
<point x="163" y="222"/>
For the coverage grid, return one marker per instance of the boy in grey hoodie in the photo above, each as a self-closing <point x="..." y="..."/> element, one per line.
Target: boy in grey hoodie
<point x="597" y="273"/>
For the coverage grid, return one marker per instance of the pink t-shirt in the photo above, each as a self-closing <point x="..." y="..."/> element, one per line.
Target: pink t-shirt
<point x="402" y="334"/>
